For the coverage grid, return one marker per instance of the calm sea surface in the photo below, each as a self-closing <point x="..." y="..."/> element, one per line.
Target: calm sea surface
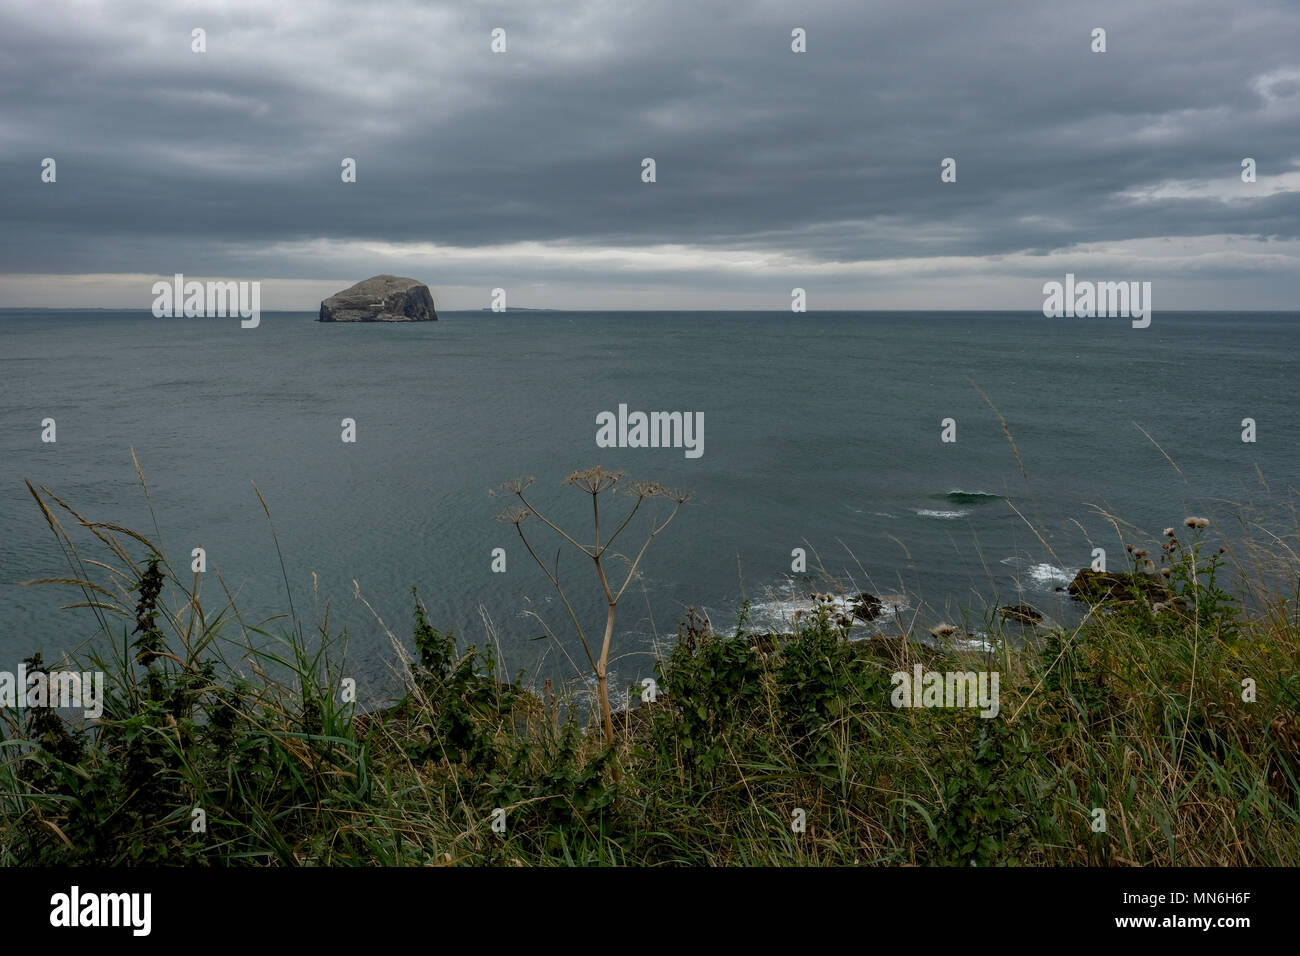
<point x="822" y="432"/>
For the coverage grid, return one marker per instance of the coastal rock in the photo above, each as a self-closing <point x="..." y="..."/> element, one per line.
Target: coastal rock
<point x="1022" y="613"/>
<point x="867" y="607"/>
<point x="1119" y="586"/>
<point x="381" y="299"/>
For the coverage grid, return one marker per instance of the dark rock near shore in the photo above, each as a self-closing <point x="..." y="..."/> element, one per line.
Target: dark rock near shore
<point x="1121" y="586"/>
<point x="1022" y="613"/>
<point x="867" y="607"/>
<point x="381" y="299"/>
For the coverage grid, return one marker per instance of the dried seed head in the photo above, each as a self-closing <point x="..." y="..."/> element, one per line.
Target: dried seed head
<point x="594" y="480"/>
<point x="514" y="516"/>
<point x="514" y="486"/>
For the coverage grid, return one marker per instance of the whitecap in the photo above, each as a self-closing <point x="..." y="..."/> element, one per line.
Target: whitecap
<point x="1049" y="575"/>
<point x="930" y="513"/>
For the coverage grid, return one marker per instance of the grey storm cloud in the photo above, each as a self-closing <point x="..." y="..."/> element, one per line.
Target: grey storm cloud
<point x="229" y="160"/>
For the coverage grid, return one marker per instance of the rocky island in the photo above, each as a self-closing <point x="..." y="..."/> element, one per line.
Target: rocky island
<point x="381" y="299"/>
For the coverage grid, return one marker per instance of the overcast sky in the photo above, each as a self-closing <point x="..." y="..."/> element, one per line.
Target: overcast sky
<point x="774" y="169"/>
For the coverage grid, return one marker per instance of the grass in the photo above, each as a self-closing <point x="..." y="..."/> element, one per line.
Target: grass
<point x="1143" y="735"/>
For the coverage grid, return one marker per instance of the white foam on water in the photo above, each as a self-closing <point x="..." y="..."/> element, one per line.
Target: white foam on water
<point x="1049" y="575"/>
<point x="978" y="641"/>
<point x="931" y="513"/>
<point x="777" y="612"/>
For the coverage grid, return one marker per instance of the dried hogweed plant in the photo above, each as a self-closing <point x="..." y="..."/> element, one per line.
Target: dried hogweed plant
<point x="596" y="482"/>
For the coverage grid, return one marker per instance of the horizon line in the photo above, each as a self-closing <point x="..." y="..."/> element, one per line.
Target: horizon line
<point x="477" y="311"/>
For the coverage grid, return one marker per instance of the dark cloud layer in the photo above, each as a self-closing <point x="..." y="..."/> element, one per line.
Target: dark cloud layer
<point x="228" y="161"/>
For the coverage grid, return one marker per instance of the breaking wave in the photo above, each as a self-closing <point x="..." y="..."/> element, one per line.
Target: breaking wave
<point x="959" y="497"/>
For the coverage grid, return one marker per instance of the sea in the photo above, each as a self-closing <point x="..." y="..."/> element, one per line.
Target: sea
<point x="945" y="462"/>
